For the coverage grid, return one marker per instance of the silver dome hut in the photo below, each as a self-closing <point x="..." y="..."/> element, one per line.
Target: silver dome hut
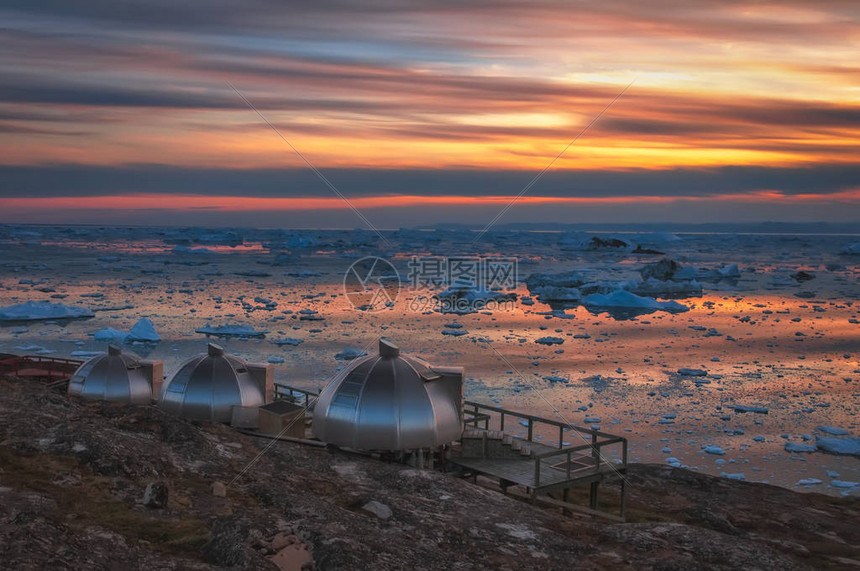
<point x="391" y="402"/>
<point x="214" y="386"/>
<point x="117" y="377"/>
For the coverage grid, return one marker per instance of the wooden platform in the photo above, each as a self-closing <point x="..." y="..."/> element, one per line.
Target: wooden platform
<point x="485" y="449"/>
<point x="553" y="475"/>
<point x="39" y="367"/>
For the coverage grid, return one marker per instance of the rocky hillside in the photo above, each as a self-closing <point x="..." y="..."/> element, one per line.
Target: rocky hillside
<point x="96" y="486"/>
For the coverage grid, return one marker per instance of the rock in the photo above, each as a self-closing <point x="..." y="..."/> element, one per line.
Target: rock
<point x="378" y="509"/>
<point x="282" y="540"/>
<point x="219" y="490"/>
<point x="294" y="557"/>
<point x="155" y="495"/>
<point x="226" y="546"/>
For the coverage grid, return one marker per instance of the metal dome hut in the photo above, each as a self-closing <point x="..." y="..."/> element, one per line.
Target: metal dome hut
<point x="217" y="387"/>
<point x="391" y="402"/>
<point x="117" y="377"/>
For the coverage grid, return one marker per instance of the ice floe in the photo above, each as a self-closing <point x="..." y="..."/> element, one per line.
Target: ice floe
<point x="39" y="310"/>
<point x="847" y="446"/>
<point x="230" y="330"/>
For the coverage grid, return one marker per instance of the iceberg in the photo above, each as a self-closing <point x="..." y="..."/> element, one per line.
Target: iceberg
<point x="556" y="293"/>
<point x="38" y="310"/>
<point x="847" y="446"/>
<point x="852" y="249"/>
<point x="229" y="330"/>
<point x="626" y="299"/>
<point x="144" y="331"/>
<point x="580" y="242"/>
<point x="110" y="334"/>
<point x="669" y="289"/>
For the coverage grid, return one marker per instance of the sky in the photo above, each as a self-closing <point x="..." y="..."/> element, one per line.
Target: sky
<point x="421" y="112"/>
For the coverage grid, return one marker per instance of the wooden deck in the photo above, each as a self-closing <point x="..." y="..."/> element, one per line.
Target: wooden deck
<point x="51" y="369"/>
<point x="553" y="474"/>
<point x="486" y="450"/>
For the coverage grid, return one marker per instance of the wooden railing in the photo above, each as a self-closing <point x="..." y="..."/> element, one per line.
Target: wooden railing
<point x="294" y="394"/>
<point x="50" y="365"/>
<point x="596" y="439"/>
<point x="595" y="446"/>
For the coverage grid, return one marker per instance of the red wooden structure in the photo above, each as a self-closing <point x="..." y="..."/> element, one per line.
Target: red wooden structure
<point x="50" y="369"/>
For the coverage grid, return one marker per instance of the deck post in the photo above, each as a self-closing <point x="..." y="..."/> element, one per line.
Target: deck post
<point x="531" y="429"/>
<point x="592" y="495"/>
<point x="623" y="498"/>
<point x="564" y="495"/>
<point x="560" y="436"/>
<point x="502" y="422"/>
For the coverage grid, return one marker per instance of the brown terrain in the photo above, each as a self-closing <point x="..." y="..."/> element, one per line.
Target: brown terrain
<point x="74" y="476"/>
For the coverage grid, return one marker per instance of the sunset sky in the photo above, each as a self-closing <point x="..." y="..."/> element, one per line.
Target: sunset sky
<point x="426" y="112"/>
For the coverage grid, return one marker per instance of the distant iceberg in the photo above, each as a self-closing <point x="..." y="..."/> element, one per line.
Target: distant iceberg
<point x="581" y="242"/>
<point x="38" y="310"/>
<point x="229" y="330"/>
<point x="852" y="249"/>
